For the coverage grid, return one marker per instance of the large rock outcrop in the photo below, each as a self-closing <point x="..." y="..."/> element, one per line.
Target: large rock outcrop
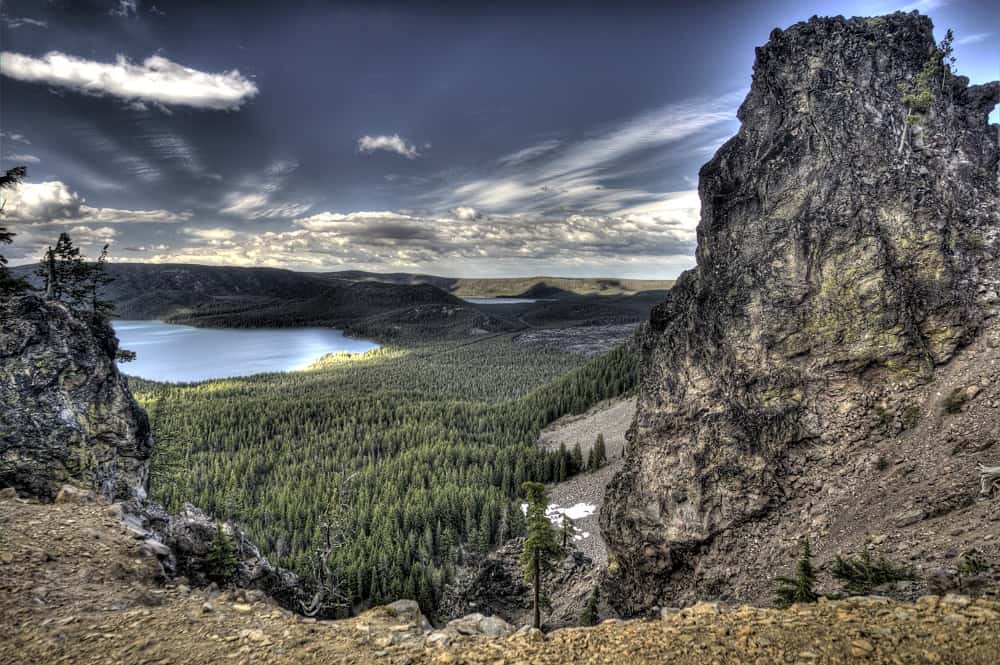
<point x="846" y="250"/>
<point x="66" y="413"/>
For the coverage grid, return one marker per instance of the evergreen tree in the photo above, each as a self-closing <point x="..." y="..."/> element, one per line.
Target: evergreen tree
<point x="801" y="588"/>
<point x="590" y="615"/>
<point x="539" y="547"/>
<point x="221" y="563"/>
<point x="577" y="465"/>
<point x="568" y="530"/>
<point x="9" y="285"/>
<point x="600" y="452"/>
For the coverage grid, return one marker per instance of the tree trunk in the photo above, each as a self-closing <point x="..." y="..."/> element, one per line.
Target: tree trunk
<point x="50" y="282"/>
<point x="537" y="613"/>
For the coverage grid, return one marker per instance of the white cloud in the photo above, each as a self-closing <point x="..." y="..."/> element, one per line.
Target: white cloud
<point x="466" y="213"/>
<point x="217" y="234"/>
<point x="20" y="138"/>
<point x="157" y="80"/>
<point x="664" y="233"/>
<point x="90" y="236"/>
<point x="52" y="202"/>
<point x="23" y="158"/>
<point x="369" y="144"/>
<point x="973" y="39"/>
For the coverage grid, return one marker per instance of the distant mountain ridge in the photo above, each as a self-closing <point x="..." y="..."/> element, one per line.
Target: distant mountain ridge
<point x="382" y="306"/>
<point x="512" y="287"/>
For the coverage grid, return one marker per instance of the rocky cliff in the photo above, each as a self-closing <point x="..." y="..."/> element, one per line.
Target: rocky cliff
<point x="67" y="414"/>
<point x="846" y="252"/>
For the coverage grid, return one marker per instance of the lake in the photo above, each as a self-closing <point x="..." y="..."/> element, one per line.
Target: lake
<point x="500" y="301"/>
<point x="168" y="352"/>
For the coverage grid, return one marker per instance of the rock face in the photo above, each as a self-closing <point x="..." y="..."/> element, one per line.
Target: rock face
<point x="67" y="414"/>
<point x="495" y="585"/>
<point x="847" y="248"/>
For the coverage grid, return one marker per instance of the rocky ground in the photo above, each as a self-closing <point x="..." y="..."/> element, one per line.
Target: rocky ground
<point x="612" y="419"/>
<point x="587" y="341"/>
<point x="76" y="586"/>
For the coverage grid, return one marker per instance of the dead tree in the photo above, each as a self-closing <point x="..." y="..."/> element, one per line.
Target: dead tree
<point x="988" y="475"/>
<point x="330" y="594"/>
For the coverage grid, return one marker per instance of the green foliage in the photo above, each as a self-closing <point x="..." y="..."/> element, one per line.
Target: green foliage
<point x="801" y="588"/>
<point x="124" y="356"/>
<point x="972" y="562"/>
<point x="590" y="616"/>
<point x="8" y="285"/>
<point x="598" y="455"/>
<point x="955" y="400"/>
<point x="933" y="78"/>
<point x="542" y="544"/>
<point x="438" y="439"/>
<point x="68" y="278"/>
<point x="860" y="575"/>
<point x="221" y="563"/>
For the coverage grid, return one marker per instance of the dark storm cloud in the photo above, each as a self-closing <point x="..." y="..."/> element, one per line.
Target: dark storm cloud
<point x="478" y="138"/>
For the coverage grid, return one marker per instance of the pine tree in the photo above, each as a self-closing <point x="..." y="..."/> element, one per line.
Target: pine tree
<point x="568" y="530"/>
<point x="600" y="452"/>
<point x="577" y="465"/>
<point x="540" y="547"/>
<point x="221" y="563"/>
<point x="590" y="615"/>
<point x="8" y="285"/>
<point x="801" y="588"/>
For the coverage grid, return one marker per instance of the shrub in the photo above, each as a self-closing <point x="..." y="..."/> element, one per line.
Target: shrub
<point x="860" y="575"/>
<point x="589" y="617"/>
<point x="801" y="588"/>
<point x="973" y="563"/>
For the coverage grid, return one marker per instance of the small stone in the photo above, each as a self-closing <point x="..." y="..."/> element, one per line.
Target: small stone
<point x="242" y="607"/>
<point x="207" y="608"/>
<point x="8" y="493"/>
<point x="861" y="647"/>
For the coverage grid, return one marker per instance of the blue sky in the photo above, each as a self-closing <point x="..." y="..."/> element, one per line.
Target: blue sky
<point x="452" y="138"/>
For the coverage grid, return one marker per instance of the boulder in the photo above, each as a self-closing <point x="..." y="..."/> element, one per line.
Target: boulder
<point x="76" y="420"/>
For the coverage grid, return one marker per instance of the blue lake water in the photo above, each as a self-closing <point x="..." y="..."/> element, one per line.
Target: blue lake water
<point x="500" y="301"/>
<point x="168" y="352"/>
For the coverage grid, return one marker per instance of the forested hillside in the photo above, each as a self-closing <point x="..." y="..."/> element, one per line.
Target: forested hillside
<point x="426" y="448"/>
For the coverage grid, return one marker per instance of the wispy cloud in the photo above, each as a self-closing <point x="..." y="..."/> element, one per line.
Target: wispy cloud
<point x="20" y="138"/>
<point x="259" y="202"/>
<point x="124" y="8"/>
<point x="23" y="158"/>
<point x="584" y="175"/>
<point x="156" y="80"/>
<point x="973" y="38"/>
<point x="395" y="144"/>
<point x="14" y="22"/>
<point x="528" y="154"/>
<point x="924" y="5"/>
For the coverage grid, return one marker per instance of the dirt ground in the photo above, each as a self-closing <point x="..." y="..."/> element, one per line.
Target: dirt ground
<point x="75" y="588"/>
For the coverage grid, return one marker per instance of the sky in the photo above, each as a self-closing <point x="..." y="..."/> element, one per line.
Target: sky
<point x="465" y="139"/>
